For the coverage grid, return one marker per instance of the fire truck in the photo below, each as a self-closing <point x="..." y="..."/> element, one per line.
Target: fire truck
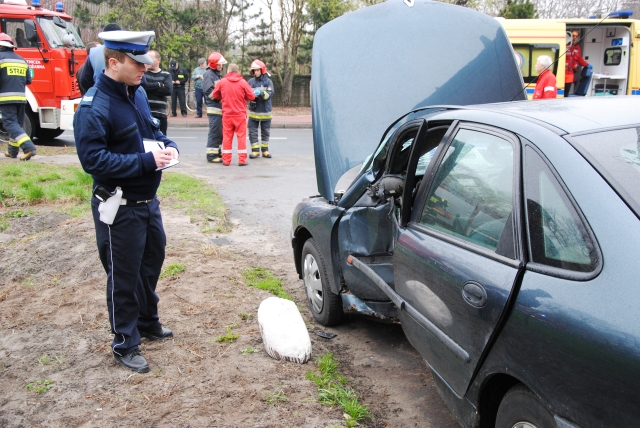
<point x="50" y="44"/>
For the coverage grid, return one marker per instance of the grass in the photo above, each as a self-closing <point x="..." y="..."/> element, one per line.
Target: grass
<point x="333" y="390"/>
<point x="198" y="198"/>
<point x="28" y="183"/>
<point x="248" y="351"/>
<point x="171" y="270"/>
<point x="40" y="385"/>
<point x="264" y="280"/>
<point x="245" y="316"/>
<point x="33" y="183"/>
<point x="273" y="398"/>
<point x="227" y="338"/>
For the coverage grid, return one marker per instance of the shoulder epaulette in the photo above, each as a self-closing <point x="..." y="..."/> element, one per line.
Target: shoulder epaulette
<point x="87" y="100"/>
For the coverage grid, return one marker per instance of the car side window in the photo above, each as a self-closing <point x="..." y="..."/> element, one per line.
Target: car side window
<point x="557" y="235"/>
<point x="471" y="197"/>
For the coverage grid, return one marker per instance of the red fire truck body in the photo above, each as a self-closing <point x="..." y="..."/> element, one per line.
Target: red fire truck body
<point x="50" y="44"/>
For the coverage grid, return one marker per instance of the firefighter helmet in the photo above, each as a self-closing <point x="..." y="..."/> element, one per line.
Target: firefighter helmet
<point x="216" y="58"/>
<point x="258" y="65"/>
<point x="6" y="41"/>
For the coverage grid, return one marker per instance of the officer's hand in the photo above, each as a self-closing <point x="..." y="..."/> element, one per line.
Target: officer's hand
<point x="256" y="92"/>
<point x="163" y="157"/>
<point x="174" y="153"/>
<point x="589" y="67"/>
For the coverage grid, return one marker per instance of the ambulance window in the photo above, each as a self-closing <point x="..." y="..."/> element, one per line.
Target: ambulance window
<point x="527" y="55"/>
<point x="612" y="56"/>
<point x="15" y="29"/>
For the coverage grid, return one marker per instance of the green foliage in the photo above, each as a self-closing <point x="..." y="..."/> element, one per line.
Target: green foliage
<point x="227" y="338"/>
<point x="334" y="391"/>
<point x="171" y="270"/>
<point x="264" y="280"/>
<point x="519" y="9"/>
<point x="40" y="385"/>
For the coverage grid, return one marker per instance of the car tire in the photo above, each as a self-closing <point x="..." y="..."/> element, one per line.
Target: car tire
<point x="48" y="134"/>
<point x="325" y="306"/>
<point x="521" y="408"/>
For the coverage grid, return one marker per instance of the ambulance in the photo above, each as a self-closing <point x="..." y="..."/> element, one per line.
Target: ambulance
<point x="50" y="44"/>
<point x="607" y="44"/>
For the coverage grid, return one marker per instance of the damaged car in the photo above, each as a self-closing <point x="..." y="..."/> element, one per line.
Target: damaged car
<point x="500" y="233"/>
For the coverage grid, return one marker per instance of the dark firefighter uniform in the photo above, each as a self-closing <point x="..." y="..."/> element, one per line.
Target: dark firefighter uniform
<point x="260" y="115"/>
<point x="214" y="114"/>
<point x="14" y="75"/>
<point x="109" y="126"/>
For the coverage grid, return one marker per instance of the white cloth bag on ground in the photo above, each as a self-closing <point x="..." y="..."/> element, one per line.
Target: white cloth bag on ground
<point x="284" y="333"/>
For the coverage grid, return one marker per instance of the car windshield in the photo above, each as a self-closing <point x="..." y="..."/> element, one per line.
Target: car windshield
<point x="617" y="158"/>
<point x="55" y="34"/>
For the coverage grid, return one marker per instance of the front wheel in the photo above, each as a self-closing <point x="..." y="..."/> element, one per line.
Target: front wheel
<point x="521" y="408"/>
<point x="191" y="101"/>
<point x="325" y="306"/>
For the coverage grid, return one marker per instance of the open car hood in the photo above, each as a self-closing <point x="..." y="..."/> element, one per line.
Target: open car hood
<point x="375" y="64"/>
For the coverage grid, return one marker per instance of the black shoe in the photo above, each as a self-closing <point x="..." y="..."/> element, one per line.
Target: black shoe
<point x="199" y="117"/>
<point x="184" y="114"/>
<point x="243" y="164"/>
<point x="174" y="115"/>
<point x="157" y="333"/>
<point x="133" y="361"/>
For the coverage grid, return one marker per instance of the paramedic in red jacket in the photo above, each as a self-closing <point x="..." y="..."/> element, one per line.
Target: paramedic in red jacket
<point x="574" y="58"/>
<point x="234" y="92"/>
<point x="546" y="85"/>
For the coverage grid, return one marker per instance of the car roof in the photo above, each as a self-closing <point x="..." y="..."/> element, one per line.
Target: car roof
<point x="574" y="114"/>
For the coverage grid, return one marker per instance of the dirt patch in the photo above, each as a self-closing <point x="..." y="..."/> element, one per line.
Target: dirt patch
<point x="53" y="326"/>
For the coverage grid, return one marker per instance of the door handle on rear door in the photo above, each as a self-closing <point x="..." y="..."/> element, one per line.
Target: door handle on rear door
<point x="474" y="294"/>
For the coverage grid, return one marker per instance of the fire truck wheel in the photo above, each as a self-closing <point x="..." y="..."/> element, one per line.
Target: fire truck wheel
<point x="48" y="134"/>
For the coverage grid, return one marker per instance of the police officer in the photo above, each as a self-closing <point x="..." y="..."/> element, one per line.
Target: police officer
<point x="109" y="126"/>
<point x="214" y="108"/>
<point x="260" y="109"/>
<point x="14" y="75"/>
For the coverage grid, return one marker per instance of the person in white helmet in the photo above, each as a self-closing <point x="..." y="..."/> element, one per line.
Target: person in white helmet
<point x="260" y="110"/>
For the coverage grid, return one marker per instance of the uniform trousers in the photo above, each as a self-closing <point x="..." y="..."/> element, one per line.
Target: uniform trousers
<point x="132" y="251"/>
<point x="214" y="139"/>
<point x="199" y="100"/>
<point x="178" y="94"/>
<point x="231" y="125"/>
<point x="265" y="131"/>
<point x="12" y="122"/>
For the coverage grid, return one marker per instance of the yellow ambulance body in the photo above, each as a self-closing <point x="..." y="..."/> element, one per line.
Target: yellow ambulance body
<point x="606" y="44"/>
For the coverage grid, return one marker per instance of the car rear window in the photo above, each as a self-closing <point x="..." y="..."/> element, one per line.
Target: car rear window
<point x="616" y="155"/>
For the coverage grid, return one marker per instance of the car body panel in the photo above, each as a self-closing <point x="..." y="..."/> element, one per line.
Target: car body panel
<point x="371" y="66"/>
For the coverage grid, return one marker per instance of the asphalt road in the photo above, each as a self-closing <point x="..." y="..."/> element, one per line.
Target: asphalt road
<point x="261" y="197"/>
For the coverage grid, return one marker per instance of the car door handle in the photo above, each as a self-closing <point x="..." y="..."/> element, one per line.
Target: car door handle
<point x="474" y="294"/>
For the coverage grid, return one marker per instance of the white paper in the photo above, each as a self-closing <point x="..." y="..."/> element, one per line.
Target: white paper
<point x="152" y="146"/>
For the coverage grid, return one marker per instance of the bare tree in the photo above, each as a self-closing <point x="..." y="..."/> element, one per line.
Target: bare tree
<point x="288" y="22"/>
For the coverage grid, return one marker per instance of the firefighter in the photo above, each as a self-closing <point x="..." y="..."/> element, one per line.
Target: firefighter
<point x="14" y="75"/>
<point x="260" y="109"/>
<point x="210" y="79"/>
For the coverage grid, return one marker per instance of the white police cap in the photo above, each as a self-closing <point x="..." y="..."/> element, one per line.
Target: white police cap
<point x="135" y="44"/>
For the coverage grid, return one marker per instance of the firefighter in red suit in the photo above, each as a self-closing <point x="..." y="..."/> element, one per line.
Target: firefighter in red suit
<point x="574" y="58"/>
<point x="234" y="92"/>
<point x="546" y="85"/>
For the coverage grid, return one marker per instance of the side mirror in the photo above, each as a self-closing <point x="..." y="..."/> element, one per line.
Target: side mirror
<point x="30" y="30"/>
<point x="59" y="22"/>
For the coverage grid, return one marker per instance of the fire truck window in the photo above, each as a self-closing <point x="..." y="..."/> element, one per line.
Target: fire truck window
<point x="15" y="28"/>
<point x="54" y="34"/>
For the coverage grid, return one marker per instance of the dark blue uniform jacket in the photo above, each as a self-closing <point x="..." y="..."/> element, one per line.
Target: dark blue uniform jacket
<point x="109" y="127"/>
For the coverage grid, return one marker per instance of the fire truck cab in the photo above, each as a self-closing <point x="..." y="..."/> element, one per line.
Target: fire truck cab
<point x="50" y="44"/>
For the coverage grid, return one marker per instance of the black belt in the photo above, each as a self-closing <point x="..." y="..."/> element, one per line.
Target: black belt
<point x="132" y="203"/>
